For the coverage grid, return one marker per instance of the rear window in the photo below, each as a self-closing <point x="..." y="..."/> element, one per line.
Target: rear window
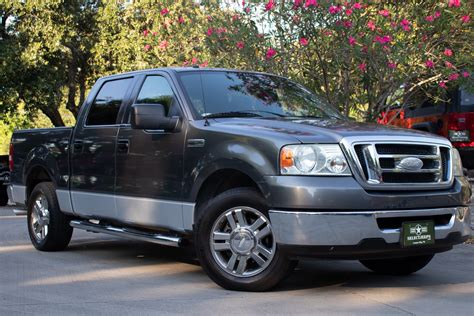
<point x="104" y="110"/>
<point x="467" y="101"/>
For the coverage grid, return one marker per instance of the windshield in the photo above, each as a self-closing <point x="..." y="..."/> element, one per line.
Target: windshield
<point x="262" y="95"/>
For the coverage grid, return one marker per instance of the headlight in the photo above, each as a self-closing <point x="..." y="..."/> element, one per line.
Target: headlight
<point x="457" y="164"/>
<point x="324" y="159"/>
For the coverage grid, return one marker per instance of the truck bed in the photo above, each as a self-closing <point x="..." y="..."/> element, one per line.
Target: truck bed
<point x="48" y="147"/>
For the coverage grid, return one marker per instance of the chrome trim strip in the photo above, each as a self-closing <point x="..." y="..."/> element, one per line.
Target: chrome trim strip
<point x="20" y="212"/>
<point x="174" y="215"/>
<point x="64" y="201"/>
<point x="127" y="233"/>
<point x="154" y="212"/>
<point x="17" y="194"/>
<point x="349" y="228"/>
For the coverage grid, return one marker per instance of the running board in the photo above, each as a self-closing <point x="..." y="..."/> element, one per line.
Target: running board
<point x="127" y="233"/>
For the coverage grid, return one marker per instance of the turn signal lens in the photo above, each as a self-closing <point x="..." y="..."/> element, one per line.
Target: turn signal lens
<point x="286" y="157"/>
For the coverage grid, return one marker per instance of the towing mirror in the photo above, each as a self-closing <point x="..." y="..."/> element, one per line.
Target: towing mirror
<point x="152" y="117"/>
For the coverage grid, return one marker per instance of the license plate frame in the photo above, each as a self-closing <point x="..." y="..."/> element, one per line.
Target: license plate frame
<point x="417" y="233"/>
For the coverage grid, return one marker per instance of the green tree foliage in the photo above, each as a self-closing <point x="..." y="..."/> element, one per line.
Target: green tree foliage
<point x="362" y="56"/>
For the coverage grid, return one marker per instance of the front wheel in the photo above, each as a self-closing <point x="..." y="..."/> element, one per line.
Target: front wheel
<point x="398" y="266"/>
<point x="235" y="242"/>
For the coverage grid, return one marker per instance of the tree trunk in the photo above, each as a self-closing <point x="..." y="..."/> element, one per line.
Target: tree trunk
<point x="54" y="115"/>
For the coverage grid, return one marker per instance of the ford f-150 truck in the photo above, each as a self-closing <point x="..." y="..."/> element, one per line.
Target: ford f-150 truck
<point x="253" y="170"/>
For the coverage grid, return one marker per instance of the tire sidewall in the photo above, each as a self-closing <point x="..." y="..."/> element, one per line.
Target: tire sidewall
<point x="210" y="212"/>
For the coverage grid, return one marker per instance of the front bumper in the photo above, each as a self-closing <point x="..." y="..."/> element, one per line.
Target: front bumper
<point x="359" y="229"/>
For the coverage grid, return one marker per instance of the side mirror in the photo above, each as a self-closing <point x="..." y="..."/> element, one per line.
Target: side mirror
<point x="152" y="116"/>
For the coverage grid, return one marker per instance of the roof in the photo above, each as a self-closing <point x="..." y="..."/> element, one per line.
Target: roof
<point x="182" y="69"/>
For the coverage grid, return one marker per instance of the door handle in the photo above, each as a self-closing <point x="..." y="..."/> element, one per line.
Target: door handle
<point x="78" y="144"/>
<point x="123" y="145"/>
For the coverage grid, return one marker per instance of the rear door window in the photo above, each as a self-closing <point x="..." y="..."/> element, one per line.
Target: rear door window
<point x="105" y="108"/>
<point x="157" y="90"/>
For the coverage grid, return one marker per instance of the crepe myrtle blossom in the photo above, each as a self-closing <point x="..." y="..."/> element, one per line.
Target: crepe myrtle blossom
<point x="310" y="3"/>
<point x="247" y="10"/>
<point x="204" y="64"/>
<point x="147" y="47"/>
<point x="181" y="20"/>
<point x="429" y="63"/>
<point x="437" y="14"/>
<point x="348" y="12"/>
<point x="465" y="19"/>
<point x="165" y="11"/>
<point x="347" y="24"/>
<point x="454" y="3"/>
<point x="383" y="39"/>
<point x="270" y="5"/>
<point x="371" y="25"/>
<point x="466" y="74"/>
<point x="442" y="84"/>
<point x="362" y="67"/>
<point x="385" y="13"/>
<point x="209" y="31"/>
<point x="357" y="6"/>
<point x="448" y="52"/>
<point x="334" y="9"/>
<point x="352" y="41"/>
<point x="270" y="53"/>
<point x="194" y="61"/>
<point x="240" y="45"/>
<point x="304" y="41"/>
<point x="430" y="18"/>
<point x="146" y="32"/>
<point x="454" y="76"/>
<point x="448" y="64"/>
<point x="391" y="65"/>
<point x="163" y="44"/>
<point x="405" y="25"/>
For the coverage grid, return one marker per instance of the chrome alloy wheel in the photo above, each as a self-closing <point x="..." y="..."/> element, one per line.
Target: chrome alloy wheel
<point x="39" y="219"/>
<point x="242" y="241"/>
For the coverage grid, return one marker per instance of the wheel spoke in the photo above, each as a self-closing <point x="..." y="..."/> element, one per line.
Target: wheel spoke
<point x="221" y="246"/>
<point x="242" y="265"/>
<point x="263" y="232"/>
<point x="240" y="218"/>
<point x="221" y="236"/>
<point x="256" y="225"/>
<point x="264" y="251"/>
<point x="231" y="221"/>
<point x="257" y="258"/>
<point x="231" y="263"/>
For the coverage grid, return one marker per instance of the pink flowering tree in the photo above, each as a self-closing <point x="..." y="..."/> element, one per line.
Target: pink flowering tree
<point x="363" y="57"/>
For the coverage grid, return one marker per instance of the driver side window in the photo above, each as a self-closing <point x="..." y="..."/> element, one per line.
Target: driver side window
<point x="157" y="90"/>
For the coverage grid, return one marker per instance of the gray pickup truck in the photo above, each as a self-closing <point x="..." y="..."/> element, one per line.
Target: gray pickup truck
<point x="251" y="169"/>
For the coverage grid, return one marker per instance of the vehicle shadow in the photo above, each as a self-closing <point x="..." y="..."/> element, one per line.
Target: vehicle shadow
<point x="309" y="274"/>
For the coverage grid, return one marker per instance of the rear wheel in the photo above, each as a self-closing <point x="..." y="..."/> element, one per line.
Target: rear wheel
<point x="398" y="266"/>
<point x="48" y="227"/>
<point x="235" y="242"/>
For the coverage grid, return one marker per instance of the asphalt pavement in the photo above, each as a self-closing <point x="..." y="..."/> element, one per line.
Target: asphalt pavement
<point x="99" y="274"/>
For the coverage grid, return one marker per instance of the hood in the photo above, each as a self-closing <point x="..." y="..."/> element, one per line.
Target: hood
<point x="317" y="130"/>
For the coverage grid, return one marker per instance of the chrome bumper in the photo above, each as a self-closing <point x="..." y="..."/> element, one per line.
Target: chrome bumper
<point x="350" y="228"/>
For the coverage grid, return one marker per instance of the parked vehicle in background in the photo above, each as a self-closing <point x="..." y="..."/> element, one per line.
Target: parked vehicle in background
<point x="252" y="169"/>
<point x="453" y="120"/>
<point x="4" y="179"/>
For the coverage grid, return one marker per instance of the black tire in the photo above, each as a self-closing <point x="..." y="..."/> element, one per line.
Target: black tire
<point x="398" y="266"/>
<point x="279" y="266"/>
<point x="59" y="231"/>
<point x="3" y="195"/>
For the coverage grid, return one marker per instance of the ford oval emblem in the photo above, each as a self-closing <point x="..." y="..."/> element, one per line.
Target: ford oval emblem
<point x="410" y="164"/>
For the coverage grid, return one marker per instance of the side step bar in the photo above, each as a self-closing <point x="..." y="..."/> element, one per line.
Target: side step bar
<point x="127" y="233"/>
<point x="19" y="212"/>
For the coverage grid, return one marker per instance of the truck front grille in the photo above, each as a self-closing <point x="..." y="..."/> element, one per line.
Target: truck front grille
<point x="401" y="164"/>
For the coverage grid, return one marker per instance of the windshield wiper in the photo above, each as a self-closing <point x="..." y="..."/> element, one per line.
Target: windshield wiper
<point x="231" y="114"/>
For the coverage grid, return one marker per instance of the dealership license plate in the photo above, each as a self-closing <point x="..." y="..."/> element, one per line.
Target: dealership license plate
<point x="418" y="233"/>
